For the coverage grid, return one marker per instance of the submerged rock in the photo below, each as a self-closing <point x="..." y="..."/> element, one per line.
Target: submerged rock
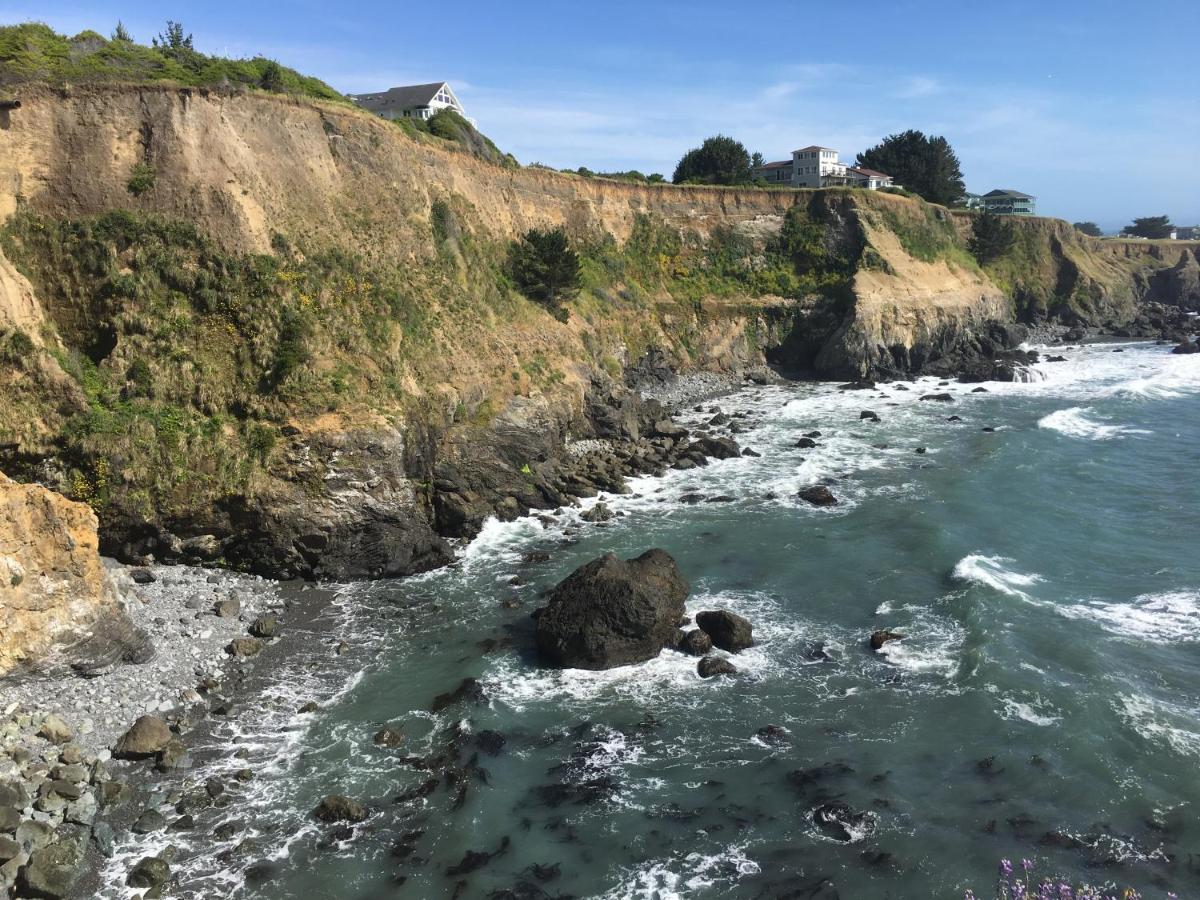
<point x="612" y="612"/>
<point x="840" y="822"/>
<point x="940" y="398"/>
<point x="151" y="872"/>
<point x="728" y="631"/>
<point x="818" y="495"/>
<point x="883" y="636"/>
<point x="339" y="808"/>
<point x="712" y="666"/>
<point x="389" y="736"/>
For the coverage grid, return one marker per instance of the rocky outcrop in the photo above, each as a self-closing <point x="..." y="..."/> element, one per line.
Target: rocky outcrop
<point x="728" y="631"/>
<point x="612" y="612"/>
<point x="58" y="606"/>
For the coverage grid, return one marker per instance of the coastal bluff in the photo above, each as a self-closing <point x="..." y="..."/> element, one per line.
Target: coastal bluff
<point x="292" y="345"/>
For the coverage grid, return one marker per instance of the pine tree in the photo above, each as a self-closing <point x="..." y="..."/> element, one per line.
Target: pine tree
<point x="992" y="236"/>
<point x="925" y="165"/>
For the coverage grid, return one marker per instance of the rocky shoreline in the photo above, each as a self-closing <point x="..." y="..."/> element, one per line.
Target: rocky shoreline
<point x="61" y="790"/>
<point x="62" y="784"/>
<point x="75" y="751"/>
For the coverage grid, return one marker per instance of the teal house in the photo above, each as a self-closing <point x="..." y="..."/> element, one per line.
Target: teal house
<point x="1009" y="203"/>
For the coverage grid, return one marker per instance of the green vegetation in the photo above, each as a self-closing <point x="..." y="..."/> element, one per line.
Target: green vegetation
<point x="926" y="165"/>
<point x="141" y="179"/>
<point x="633" y="175"/>
<point x="187" y="358"/>
<point x="1091" y="229"/>
<point x="545" y="268"/>
<point x="34" y="52"/>
<point x="449" y="126"/>
<point x="719" y="160"/>
<point x="992" y="237"/>
<point x="658" y="261"/>
<point x="1152" y="227"/>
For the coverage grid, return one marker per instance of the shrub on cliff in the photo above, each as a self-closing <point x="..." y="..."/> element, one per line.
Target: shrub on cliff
<point x="1091" y="229"/>
<point x="545" y="268"/>
<point x="992" y="236"/>
<point x="450" y="126"/>
<point x="719" y="160"/>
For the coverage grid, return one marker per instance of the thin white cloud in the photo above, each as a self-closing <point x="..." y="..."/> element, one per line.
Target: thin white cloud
<point x="918" y="86"/>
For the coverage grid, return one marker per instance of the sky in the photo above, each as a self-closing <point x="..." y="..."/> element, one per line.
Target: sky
<point x="1093" y="107"/>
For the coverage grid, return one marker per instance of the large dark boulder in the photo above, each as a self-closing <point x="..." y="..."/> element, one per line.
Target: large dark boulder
<point x="712" y="666"/>
<point x="818" y="495"/>
<point x="339" y="808"/>
<point x="1187" y="346"/>
<point x="612" y="612"/>
<point x="728" y="631"/>
<point x="718" y="447"/>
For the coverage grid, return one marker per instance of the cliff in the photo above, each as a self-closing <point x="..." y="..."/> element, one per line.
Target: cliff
<point x="290" y="341"/>
<point x="57" y="603"/>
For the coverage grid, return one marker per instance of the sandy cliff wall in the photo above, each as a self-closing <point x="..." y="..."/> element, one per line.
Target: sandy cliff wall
<point x="427" y="390"/>
<point x="57" y="602"/>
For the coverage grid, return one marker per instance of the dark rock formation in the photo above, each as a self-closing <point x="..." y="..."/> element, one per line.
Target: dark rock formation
<point x="883" y="636"/>
<point x="728" y="631"/>
<point x="148" y="735"/>
<point x="711" y="666"/>
<point x="612" y="612"/>
<point x="695" y="642"/>
<point x="818" y="495"/>
<point x="338" y="808"/>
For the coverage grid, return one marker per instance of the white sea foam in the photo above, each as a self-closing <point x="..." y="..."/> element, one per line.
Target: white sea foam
<point x="1034" y="712"/>
<point x="1074" y="422"/>
<point x="936" y="651"/>
<point x="686" y="876"/>
<point x="1161" y="723"/>
<point x="1169" y="617"/>
<point x="991" y="571"/>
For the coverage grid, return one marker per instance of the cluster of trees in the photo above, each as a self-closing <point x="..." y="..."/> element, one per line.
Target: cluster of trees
<point x="632" y="175"/>
<point x="719" y="160"/>
<point x="923" y="164"/>
<point x="1153" y="227"/>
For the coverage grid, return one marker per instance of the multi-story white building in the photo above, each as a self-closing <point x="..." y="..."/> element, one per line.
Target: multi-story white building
<point x="414" y="101"/>
<point x="815" y="167"/>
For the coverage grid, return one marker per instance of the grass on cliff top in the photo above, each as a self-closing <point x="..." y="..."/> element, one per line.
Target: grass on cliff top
<point x="35" y="52"/>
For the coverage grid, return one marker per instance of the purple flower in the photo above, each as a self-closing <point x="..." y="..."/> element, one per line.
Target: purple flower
<point x="1006" y="868"/>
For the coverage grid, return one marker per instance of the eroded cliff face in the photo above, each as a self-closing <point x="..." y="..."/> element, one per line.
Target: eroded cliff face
<point x="58" y="605"/>
<point x="151" y="378"/>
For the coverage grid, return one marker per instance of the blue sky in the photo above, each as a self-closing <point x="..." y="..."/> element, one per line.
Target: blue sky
<point x="1091" y="106"/>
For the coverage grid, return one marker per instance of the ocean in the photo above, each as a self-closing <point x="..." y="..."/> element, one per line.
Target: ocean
<point x="1039" y="556"/>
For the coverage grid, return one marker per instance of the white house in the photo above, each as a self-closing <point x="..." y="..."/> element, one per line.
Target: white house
<point x="414" y="101"/>
<point x="815" y="167"/>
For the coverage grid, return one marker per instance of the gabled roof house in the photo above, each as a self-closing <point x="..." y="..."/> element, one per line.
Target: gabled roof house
<point x="413" y="101"/>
